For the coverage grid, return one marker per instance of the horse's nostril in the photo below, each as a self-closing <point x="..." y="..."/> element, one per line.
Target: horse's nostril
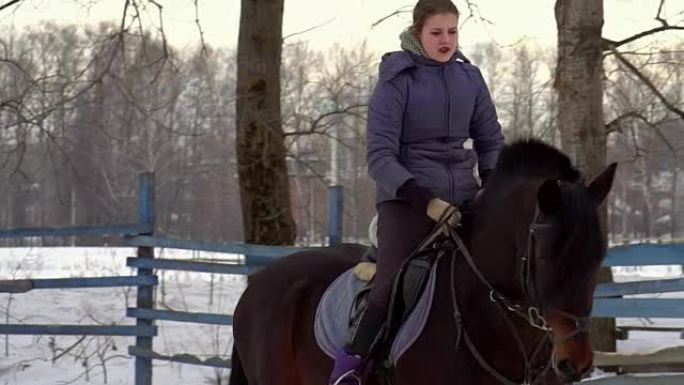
<point x="568" y="371"/>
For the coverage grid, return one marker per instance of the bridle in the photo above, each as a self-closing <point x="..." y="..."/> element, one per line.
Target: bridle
<point x="530" y="288"/>
<point x="529" y="310"/>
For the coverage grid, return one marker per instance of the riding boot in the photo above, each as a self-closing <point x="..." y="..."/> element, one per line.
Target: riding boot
<point x="352" y="359"/>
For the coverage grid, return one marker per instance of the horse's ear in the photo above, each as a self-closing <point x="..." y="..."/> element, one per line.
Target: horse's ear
<point x="549" y="196"/>
<point x="600" y="187"/>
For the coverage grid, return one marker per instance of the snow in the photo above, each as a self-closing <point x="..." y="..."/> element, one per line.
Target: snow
<point x="30" y="360"/>
<point x="30" y="357"/>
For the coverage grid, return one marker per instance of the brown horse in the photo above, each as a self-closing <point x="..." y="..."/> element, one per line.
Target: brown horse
<point x="518" y="307"/>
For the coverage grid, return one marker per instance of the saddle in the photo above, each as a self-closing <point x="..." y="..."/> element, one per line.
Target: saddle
<point x="345" y="300"/>
<point x="412" y="294"/>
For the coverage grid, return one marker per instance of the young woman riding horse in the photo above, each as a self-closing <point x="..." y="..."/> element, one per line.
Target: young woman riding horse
<point x="427" y="102"/>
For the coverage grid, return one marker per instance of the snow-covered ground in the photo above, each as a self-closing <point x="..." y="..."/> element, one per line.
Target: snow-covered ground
<point x="47" y="360"/>
<point x="30" y="359"/>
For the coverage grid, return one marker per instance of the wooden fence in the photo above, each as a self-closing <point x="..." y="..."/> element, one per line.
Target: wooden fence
<point x="610" y="301"/>
<point x="609" y="298"/>
<point x="141" y="236"/>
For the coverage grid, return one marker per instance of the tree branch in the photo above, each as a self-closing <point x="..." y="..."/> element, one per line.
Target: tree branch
<point x="199" y="28"/>
<point x="660" y="9"/>
<point x="615" y="44"/>
<point x="636" y="115"/>
<point x="474" y="9"/>
<point x="316" y="122"/>
<point x="161" y="26"/>
<point x="308" y="29"/>
<point x="665" y="26"/>
<point x="473" y="12"/>
<point x="667" y="143"/>
<point x="9" y="4"/>
<point x="299" y="159"/>
<point x="404" y="9"/>
<point x="615" y="124"/>
<point x="67" y="350"/>
<point x="647" y="82"/>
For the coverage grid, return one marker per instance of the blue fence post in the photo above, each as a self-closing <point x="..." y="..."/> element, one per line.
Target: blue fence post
<point x="145" y="299"/>
<point x="335" y="209"/>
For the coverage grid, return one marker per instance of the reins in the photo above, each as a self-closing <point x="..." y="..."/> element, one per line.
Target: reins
<point x="532" y="314"/>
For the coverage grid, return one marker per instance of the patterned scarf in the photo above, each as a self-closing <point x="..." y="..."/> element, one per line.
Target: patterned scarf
<point x="410" y="43"/>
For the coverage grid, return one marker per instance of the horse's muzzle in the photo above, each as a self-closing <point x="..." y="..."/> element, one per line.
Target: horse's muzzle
<point x="569" y="373"/>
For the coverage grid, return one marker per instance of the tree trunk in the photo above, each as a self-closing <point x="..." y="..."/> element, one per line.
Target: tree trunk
<point x="579" y="85"/>
<point x="264" y="186"/>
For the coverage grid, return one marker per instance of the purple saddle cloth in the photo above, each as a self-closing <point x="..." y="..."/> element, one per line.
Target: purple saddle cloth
<point x="334" y="310"/>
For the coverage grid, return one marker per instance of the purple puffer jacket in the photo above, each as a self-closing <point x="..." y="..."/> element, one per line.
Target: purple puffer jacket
<point x="420" y="114"/>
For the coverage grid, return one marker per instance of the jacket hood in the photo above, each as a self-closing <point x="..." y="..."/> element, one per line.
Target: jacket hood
<point x="393" y="63"/>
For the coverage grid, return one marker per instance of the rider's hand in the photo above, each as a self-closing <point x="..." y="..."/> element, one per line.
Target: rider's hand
<point x="439" y="209"/>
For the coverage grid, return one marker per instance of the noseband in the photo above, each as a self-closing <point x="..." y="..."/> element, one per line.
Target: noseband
<point x="528" y="263"/>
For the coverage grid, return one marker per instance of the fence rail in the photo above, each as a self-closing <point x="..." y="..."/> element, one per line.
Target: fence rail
<point x="181" y="265"/>
<point x="179" y="316"/>
<point x="215" y="362"/>
<point x="638" y="380"/>
<point x="639" y="287"/>
<point x="79" y="330"/>
<point x="646" y="254"/>
<point x="258" y="254"/>
<point x="639" y="307"/>
<point x="90" y="231"/>
<point x="624" y="331"/>
<point x="25" y="285"/>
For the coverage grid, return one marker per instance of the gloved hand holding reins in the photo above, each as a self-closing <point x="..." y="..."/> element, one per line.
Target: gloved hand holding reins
<point x="440" y="210"/>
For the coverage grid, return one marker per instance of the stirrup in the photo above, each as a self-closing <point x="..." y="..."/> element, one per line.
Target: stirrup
<point x="353" y="374"/>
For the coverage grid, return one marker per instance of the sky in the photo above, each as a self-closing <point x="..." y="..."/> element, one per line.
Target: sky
<point x="348" y="22"/>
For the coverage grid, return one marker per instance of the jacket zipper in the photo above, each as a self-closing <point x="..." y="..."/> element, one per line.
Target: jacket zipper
<point x="448" y="101"/>
<point x="448" y="115"/>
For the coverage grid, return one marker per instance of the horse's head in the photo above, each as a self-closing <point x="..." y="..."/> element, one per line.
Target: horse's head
<point x="537" y="237"/>
<point x="565" y="248"/>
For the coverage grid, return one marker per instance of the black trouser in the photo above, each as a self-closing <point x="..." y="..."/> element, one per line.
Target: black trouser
<point x="401" y="228"/>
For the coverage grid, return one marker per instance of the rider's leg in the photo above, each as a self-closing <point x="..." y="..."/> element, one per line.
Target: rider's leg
<point x="401" y="227"/>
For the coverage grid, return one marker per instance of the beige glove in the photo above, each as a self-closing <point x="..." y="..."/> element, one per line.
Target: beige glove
<point x="437" y="208"/>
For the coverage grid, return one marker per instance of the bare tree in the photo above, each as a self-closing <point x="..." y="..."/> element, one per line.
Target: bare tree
<point x="324" y="99"/>
<point x="580" y="88"/>
<point x="84" y="113"/>
<point x="264" y="184"/>
<point x="650" y="148"/>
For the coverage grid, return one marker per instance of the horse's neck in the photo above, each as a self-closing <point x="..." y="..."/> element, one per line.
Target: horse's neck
<point x="497" y="243"/>
<point x="498" y="238"/>
<point x="488" y="326"/>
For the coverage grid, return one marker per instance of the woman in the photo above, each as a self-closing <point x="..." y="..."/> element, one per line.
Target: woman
<point x="427" y="102"/>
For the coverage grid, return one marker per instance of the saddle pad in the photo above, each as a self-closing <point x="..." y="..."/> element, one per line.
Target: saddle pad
<point x="334" y="310"/>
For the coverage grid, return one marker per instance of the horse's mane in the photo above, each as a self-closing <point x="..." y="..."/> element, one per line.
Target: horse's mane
<point x="533" y="158"/>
